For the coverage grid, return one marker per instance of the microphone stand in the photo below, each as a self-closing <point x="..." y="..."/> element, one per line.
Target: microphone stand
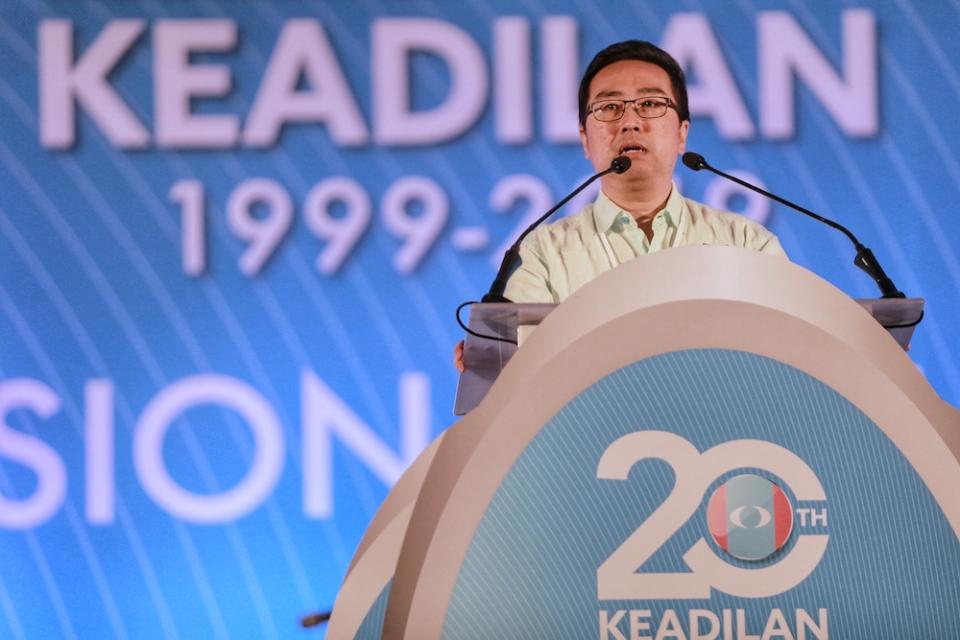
<point x="512" y="255"/>
<point x="864" y="259"/>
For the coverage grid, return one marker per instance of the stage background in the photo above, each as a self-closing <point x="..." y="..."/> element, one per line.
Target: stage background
<point x="226" y="311"/>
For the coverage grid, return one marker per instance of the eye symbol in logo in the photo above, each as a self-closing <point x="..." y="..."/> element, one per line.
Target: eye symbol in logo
<point x="756" y="517"/>
<point x="750" y="517"/>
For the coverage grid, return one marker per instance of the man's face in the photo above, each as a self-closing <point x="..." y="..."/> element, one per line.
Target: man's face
<point x="652" y="145"/>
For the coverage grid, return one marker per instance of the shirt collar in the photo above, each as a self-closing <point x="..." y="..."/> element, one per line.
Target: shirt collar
<point x="606" y="211"/>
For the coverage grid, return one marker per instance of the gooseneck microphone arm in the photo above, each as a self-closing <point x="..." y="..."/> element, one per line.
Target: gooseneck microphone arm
<point x="864" y="259"/>
<point x="512" y="255"/>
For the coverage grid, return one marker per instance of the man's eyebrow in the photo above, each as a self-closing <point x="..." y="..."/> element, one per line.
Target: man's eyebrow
<point x="616" y="93"/>
<point x="609" y="93"/>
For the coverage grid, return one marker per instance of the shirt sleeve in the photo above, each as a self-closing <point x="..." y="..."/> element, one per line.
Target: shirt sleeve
<point x="770" y="244"/>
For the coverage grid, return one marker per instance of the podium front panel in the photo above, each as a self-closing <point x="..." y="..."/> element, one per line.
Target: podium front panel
<point x="874" y="550"/>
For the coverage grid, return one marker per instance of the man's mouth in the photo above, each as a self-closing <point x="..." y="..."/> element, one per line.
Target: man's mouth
<point x="632" y="149"/>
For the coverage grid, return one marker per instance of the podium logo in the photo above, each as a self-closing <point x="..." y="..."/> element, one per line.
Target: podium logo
<point x="750" y="518"/>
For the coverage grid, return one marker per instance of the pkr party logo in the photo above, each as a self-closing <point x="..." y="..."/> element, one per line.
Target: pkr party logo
<point x="750" y="517"/>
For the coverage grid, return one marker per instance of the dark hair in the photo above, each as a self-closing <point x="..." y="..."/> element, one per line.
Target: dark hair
<point x="636" y="50"/>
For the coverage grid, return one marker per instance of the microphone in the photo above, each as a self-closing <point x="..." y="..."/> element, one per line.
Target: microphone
<point x="864" y="259"/>
<point x="619" y="165"/>
<point x="315" y="619"/>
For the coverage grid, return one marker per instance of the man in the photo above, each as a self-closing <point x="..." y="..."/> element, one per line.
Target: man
<point x="632" y="102"/>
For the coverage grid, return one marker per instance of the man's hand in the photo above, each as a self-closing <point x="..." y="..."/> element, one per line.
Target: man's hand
<point x="458" y="357"/>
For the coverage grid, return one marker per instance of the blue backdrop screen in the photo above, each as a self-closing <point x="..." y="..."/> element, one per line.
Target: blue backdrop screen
<point x="232" y="237"/>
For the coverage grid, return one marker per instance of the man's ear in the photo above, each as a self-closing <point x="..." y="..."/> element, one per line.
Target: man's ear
<point x="583" y="141"/>
<point x="684" y="130"/>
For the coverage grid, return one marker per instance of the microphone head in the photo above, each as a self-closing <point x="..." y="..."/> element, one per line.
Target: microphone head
<point x="620" y="164"/>
<point x="694" y="161"/>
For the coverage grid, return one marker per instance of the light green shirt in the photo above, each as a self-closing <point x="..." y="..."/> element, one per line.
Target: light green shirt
<point x="559" y="258"/>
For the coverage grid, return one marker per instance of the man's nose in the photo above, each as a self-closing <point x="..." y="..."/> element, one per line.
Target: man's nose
<point x="631" y="119"/>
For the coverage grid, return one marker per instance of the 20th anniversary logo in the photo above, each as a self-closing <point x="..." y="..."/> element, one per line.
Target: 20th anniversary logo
<point x="749" y="518"/>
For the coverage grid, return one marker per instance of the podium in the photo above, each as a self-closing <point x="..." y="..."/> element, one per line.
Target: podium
<point x="499" y="328"/>
<point x="704" y="443"/>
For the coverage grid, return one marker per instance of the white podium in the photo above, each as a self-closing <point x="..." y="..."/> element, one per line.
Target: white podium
<point x="703" y="443"/>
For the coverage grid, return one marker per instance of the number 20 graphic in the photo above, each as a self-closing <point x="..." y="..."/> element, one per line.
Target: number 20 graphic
<point x="694" y="472"/>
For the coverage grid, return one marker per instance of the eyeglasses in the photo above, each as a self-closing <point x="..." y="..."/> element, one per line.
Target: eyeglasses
<point x="613" y="110"/>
